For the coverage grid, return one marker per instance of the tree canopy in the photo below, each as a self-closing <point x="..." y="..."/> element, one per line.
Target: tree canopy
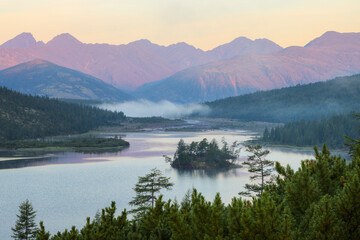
<point x="310" y="101"/>
<point x="330" y="130"/>
<point x="204" y="154"/>
<point x="28" y="117"/>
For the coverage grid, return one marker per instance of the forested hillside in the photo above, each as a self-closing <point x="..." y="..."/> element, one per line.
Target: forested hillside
<point x="315" y="132"/>
<point x="25" y="116"/>
<point x="337" y="96"/>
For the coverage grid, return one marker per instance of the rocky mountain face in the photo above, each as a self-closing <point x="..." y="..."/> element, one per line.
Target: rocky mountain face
<point x="183" y="73"/>
<point x="331" y="55"/>
<point x="124" y="66"/>
<point x="40" y="77"/>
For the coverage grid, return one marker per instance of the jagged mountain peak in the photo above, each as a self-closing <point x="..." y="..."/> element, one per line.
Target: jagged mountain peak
<point x="22" y="40"/>
<point x="63" y="40"/>
<point x="332" y="38"/>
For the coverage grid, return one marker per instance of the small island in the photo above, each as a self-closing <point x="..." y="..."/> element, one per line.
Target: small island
<point x="204" y="155"/>
<point x="78" y="144"/>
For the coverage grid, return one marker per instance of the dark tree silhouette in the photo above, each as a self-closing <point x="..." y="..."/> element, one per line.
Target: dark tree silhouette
<point x="25" y="227"/>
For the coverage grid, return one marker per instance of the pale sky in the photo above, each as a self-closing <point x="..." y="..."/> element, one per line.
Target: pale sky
<point x="202" y="23"/>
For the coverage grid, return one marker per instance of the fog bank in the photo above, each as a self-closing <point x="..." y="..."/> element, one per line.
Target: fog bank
<point x="166" y="109"/>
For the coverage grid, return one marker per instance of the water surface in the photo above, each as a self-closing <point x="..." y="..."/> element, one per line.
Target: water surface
<point x="65" y="188"/>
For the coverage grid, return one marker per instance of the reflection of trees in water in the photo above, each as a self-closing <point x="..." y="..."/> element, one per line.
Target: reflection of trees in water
<point x="42" y="158"/>
<point x="21" y="163"/>
<point x="58" y="158"/>
<point x="212" y="173"/>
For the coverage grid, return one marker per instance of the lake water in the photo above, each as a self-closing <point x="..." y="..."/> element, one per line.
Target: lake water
<point x="65" y="188"/>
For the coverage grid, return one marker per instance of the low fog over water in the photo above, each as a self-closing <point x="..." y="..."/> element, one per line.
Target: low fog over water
<point x="145" y="108"/>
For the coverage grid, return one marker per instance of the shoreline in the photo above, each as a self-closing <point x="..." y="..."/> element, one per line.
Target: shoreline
<point x="274" y="145"/>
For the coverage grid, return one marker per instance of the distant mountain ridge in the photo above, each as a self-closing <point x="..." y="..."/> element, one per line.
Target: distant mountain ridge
<point x="331" y="55"/>
<point x="40" y="77"/>
<point x="185" y="74"/>
<point x="125" y="66"/>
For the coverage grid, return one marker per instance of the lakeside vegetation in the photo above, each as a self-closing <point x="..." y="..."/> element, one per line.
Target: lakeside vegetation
<point x="135" y="124"/>
<point x="90" y="143"/>
<point x="321" y="200"/>
<point x="30" y="117"/>
<point x="204" y="155"/>
<point x="311" y="101"/>
<point x="303" y="133"/>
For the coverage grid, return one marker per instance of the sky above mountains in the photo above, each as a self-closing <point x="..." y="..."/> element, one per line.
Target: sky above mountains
<point x="202" y="23"/>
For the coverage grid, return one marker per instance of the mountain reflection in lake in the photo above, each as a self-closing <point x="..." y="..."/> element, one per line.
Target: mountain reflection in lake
<point x="65" y="188"/>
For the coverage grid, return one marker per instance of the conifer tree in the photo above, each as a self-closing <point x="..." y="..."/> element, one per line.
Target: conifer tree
<point x="25" y="227"/>
<point x="302" y="190"/>
<point x="217" y="224"/>
<point x="349" y="205"/>
<point x="324" y="224"/>
<point x="155" y="223"/>
<point x="256" y="219"/>
<point x="287" y="225"/>
<point x="41" y="234"/>
<point x="180" y="219"/>
<point x="266" y="134"/>
<point x="201" y="214"/>
<point x="147" y="188"/>
<point x="234" y="217"/>
<point x="260" y="167"/>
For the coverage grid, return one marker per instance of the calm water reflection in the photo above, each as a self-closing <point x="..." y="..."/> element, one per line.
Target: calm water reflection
<point x="65" y="188"/>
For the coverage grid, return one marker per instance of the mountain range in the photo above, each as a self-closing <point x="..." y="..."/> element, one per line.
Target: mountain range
<point x="43" y="78"/>
<point x="124" y="66"/>
<point x="183" y="73"/>
<point x="331" y="55"/>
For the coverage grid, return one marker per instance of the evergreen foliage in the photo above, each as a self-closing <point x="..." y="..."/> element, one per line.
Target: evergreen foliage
<point x="25" y="227"/>
<point x="29" y="117"/>
<point x="260" y="167"/>
<point x="146" y="190"/>
<point x="204" y="155"/>
<point x="312" y="101"/>
<point x="352" y="142"/>
<point x="329" y="130"/>
<point x="41" y="234"/>
<point x="78" y="144"/>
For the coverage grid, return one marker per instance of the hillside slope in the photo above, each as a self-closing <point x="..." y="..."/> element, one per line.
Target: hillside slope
<point x="24" y="116"/>
<point x="40" y="77"/>
<point x="340" y="95"/>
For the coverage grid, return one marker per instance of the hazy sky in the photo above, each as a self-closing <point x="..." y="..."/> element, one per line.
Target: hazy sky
<point x="202" y="23"/>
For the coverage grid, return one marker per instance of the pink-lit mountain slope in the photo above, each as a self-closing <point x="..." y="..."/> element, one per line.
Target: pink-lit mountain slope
<point x="127" y="66"/>
<point x="331" y="55"/>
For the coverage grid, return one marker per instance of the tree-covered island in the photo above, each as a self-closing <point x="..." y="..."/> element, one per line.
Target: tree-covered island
<point x="204" y="155"/>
